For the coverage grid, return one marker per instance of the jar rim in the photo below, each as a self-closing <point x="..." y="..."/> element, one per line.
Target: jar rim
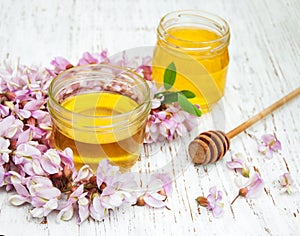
<point x="220" y="22"/>
<point x="62" y="109"/>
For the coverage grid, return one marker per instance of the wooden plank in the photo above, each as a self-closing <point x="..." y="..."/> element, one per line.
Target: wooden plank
<point x="264" y="66"/>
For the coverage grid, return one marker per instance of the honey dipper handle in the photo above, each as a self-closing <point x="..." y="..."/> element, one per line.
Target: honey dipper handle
<point x="262" y="114"/>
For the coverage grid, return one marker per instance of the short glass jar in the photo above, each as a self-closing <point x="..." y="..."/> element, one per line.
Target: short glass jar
<point x="197" y="42"/>
<point x="99" y="111"/>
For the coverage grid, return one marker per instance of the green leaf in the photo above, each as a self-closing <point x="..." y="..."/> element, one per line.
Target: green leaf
<point x="188" y="93"/>
<point x="170" y="76"/>
<point x="197" y="111"/>
<point x="187" y="106"/>
<point x="170" y="97"/>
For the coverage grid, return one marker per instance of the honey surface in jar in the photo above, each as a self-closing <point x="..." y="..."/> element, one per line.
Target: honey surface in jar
<point x="121" y="147"/>
<point x="201" y="61"/>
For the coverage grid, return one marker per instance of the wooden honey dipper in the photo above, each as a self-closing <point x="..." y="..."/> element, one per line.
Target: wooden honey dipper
<point x="211" y="146"/>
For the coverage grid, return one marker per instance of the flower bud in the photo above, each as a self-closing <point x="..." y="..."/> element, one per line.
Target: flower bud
<point x="73" y="188"/>
<point x="3" y="98"/>
<point x="243" y="192"/>
<point x="13" y="144"/>
<point x="69" y="66"/>
<point x="93" y="191"/>
<point x="202" y="201"/>
<point x="57" y="175"/>
<point x="67" y="172"/>
<point x="93" y="180"/>
<point x="162" y="192"/>
<point x="245" y="172"/>
<point x="140" y="201"/>
<point x="102" y="186"/>
<point x="11" y="95"/>
<point x="31" y="121"/>
<point x="23" y="103"/>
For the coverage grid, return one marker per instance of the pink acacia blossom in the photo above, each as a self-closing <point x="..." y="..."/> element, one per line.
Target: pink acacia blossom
<point x="106" y="172"/>
<point x="159" y="189"/>
<point x="23" y="80"/>
<point x="4" y="110"/>
<point x="44" y="120"/>
<point x="10" y="127"/>
<point x="32" y="132"/>
<point x="4" y="150"/>
<point x="95" y="58"/>
<point x="270" y="145"/>
<point x="28" y="158"/>
<point x="239" y="165"/>
<point x="50" y="161"/>
<point x="145" y="68"/>
<point x="60" y="64"/>
<point x="39" y="192"/>
<point x="83" y="175"/>
<point x="252" y="188"/>
<point x="76" y="199"/>
<point x="97" y="209"/>
<point x="19" y="112"/>
<point x="26" y="151"/>
<point x="213" y="202"/>
<point x="167" y="123"/>
<point x="115" y="190"/>
<point x="66" y="157"/>
<point x="12" y="79"/>
<point x="287" y="184"/>
<point x="116" y="187"/>
<point x="43" y="195"/>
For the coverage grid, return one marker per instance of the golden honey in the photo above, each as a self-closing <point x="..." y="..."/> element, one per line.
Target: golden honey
<point x="99" y="115"/>
<point x="121" y="148"/>
<point x="197" y="42"/>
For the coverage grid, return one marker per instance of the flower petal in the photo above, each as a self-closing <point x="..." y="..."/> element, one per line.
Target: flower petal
<point x="21" y="190"/>
<point x="218" y="210"/>
<point x="77" y="192"/>
<point x="44" y="191"/>
<point x="51" y="204"/>
<point x="2" y="171"/>
<point x="150" y="201"/>
<point x="236" y="163"/>
<point x="254" y="186"/>
<point x="17" y="200"/>
<point x="34" y="105"/>
<point x="84" y="173"/>
<point x="276" y="146"/>
<point x="267" y="138"/>
<point x="262" y="148"/>
<point x="157" y="196"/>
<point x="83" y="211"/>
<point x="66" y="213"/>
<point x="269" y="154"/>
<point x="37" y="212"/>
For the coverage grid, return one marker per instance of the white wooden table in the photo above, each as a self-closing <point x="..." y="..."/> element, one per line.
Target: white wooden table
<point x="265" y="65"/>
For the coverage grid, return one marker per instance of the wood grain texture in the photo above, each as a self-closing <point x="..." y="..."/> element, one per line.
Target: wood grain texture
<point x="265" y="65"/>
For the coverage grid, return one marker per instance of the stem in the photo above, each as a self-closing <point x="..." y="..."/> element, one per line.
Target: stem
<point x="235" y="199"/>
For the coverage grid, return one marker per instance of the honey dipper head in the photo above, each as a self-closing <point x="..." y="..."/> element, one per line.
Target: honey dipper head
<point x="209" y="147"/>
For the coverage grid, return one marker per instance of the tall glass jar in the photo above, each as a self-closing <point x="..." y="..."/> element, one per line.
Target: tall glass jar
<point x="197" y="42"/>
<point x="99" y="111"/>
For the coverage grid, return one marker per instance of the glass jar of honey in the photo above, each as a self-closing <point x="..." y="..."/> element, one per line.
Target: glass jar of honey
<point x="197" y="42"/>
<point x="99" y="111"/>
